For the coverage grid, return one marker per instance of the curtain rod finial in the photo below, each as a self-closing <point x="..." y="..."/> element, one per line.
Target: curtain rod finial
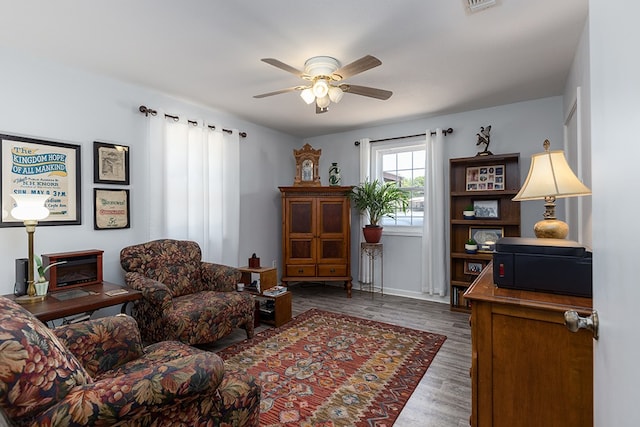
<point x="146" y="111"/>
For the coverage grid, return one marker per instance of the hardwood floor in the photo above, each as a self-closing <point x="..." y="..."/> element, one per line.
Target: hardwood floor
<point x="443" y="397"/>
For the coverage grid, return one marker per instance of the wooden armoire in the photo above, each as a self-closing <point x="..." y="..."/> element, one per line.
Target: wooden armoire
<point x="316" y="232"/>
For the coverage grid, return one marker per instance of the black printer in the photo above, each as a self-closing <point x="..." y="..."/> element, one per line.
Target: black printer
<point x="544" y="265"/>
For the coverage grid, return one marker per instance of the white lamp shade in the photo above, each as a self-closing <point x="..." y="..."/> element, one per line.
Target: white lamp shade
<point x="320" y="88"/>
<point x="335" y="94"/>
<point x="308" y="96"/>
<point x="30" y="207"/>
<point x="550" y="175"/>
<point x="323" y="102"/>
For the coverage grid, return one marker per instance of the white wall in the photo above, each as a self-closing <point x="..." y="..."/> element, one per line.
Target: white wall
<point x="47" y="101"/>
<point x="516" y="128"/>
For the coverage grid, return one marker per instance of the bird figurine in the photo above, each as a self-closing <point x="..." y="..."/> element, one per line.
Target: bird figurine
<point x="484" y="137"/>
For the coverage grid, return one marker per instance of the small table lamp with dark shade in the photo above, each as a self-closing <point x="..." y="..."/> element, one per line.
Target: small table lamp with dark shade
<point x="550" y="177"/>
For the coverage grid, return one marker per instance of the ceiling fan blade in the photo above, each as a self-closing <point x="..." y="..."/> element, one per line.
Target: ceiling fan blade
<point x="371" y="92"/>
<point x="278" y="92"/>
<point x="356" y="67"/>
<point x="279" y="64"/>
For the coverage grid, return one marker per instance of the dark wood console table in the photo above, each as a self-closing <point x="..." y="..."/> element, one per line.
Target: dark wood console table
<point x="527" y="368"/>
<point x="52" y="308"/>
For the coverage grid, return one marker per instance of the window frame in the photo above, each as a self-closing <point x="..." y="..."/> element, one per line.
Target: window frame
<point x="378" y="150"/>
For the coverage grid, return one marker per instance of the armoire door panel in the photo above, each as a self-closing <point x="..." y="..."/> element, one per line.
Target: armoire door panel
<point x="301" y="250"/>
<point x="331" y="217"/>
<point x="301" y="217"/>
<point x="331" y="250"/>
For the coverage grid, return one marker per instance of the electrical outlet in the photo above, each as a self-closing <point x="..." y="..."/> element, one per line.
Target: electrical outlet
<point x="274" y="263"/>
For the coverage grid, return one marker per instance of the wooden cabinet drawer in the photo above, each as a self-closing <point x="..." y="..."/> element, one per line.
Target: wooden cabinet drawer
<point x="332" y="270"/>
<point x="301" y="270"/>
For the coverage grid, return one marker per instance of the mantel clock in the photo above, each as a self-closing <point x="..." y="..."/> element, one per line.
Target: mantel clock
<point x="307" y="160"/>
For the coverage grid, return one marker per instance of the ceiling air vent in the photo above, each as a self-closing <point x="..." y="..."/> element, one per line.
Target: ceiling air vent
<point x="474" y="6"/>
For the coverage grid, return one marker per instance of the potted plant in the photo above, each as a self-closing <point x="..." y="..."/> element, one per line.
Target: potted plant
<point x="471" y="246"/>
<point x="469" y="212"/>
<point x="42" y="284"/>
<point x="378" y="199"/>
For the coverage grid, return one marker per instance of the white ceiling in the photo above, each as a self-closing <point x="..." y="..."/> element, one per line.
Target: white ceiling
<point x="436" y="58"/>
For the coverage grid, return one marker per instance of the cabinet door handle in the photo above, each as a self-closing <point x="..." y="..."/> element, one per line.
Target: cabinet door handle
<point x="333" y="270"/>
<point x="300" y="271"/>
<point x="574" y="322"/>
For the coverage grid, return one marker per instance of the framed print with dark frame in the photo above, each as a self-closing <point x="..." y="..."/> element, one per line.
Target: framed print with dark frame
<point x="486" y="237"/>
<point x="34" y="166"/>
<point x="473" y="267"/>
<point x="110" y="163"/>
<point x="485" y="178"/>
<point x="111" y="209"/>
<point x="486" y="209"/>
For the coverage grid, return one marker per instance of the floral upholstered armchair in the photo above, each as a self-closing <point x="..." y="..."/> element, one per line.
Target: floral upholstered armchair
<point x="98" y="373"/>
<point x="184" y="298"/>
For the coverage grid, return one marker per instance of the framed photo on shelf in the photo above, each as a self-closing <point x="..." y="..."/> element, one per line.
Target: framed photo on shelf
<point x="34" y="166"/>
<point x="111" y="209"/>
<point x="485" y="178"/>
<point x="110" y="163"/>
<point x="486" y="237"/>
<point x="486" y="209"/>
<point x="473" y="267"/>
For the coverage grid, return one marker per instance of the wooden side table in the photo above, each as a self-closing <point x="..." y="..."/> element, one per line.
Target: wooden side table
<point x="269" y="279"/>
<point x="268" y="276"/>
<point x="281" y="309"/>
<point x="369" y="252"/>
<point x="96" y="297"/>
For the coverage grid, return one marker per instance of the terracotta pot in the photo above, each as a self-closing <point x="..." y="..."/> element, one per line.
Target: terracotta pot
<point x="372" y="233"/>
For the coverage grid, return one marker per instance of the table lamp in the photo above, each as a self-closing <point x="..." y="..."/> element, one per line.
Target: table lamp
<point x="550" y="177"/>
<point x="30" y="209"/>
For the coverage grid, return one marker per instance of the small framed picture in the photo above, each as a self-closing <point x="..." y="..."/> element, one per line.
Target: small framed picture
<point x="486" y="209"/>
<point x="486" y="237"/>
<point x="473" y="267"/>
<point x="110" y="163"/>
<point x="111" y="209"/>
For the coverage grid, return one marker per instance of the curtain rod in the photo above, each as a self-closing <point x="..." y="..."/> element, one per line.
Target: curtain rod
<point x="146" y="111"/>
<point x="444" y="132"/>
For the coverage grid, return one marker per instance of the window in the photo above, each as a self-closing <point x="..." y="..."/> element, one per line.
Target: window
<point x="404" y="164"/>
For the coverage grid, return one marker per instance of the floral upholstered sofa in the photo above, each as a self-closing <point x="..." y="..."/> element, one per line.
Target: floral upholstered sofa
<point x="184" y="298"/>
<point x="98" y="373"/>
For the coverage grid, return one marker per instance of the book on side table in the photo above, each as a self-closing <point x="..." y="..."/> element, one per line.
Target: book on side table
<point x="275" y="291"/>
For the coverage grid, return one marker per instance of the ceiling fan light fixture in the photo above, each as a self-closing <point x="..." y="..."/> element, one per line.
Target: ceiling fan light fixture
<point x="335" y="94"/>
<point x="320" y="88"/>
<point x="323" y="102"/>
<point x="307" y="95"/>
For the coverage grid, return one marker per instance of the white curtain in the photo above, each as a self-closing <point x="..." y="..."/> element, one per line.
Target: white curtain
<point x="194" y="185"/>
<point x="433" y="233"/>
<point x="365" y="175"/>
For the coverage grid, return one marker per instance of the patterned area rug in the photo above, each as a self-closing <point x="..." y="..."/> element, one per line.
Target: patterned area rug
<point x="328" y="369"/>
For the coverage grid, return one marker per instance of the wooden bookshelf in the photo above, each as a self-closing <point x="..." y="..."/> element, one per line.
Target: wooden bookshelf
<point x="468" y="185"/>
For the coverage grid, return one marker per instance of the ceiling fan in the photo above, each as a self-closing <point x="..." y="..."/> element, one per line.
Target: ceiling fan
<point x="325" y="76"/>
